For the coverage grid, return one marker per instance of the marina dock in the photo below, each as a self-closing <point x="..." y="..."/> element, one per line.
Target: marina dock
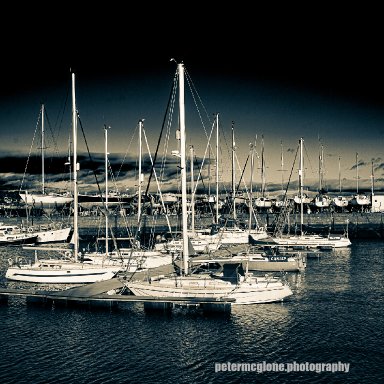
<point x="99" y="295"/>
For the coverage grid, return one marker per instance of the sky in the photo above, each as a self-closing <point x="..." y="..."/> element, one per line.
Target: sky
<point x="273" y="79"/>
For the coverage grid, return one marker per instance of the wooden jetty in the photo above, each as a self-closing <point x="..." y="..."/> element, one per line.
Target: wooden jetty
<point x="100" y="295"/>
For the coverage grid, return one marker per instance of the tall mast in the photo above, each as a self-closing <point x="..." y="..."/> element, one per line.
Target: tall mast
<point x="282" y="167"/>
<point x="262" y="167"/>
<point x="140" y="172"/>
<point x="209" y="173"/>
<point x="183" y="168"/>
<point x="372" y="182"/>
<point x="233" y="172"/>
<point x="339" y="175"/>
<point x="42" y="150"/>
<point x="301" y="175"/>
<point x="252" y="148"/>
<point x="106" y="189"/>
<point x="75" y="169"/>
<point x="192" y="192"/>
<point x="217" y="168"/>
<point x="357" y="173"/>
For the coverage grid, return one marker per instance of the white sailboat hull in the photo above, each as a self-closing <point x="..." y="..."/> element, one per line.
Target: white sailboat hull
<point x="257" y="291"/>
<point x="53" y="235"/>
<point x="233" y="236"/>
<point x="313" y="241"/>
<point x="50" y="200"/>
<point x="340" y="201"/>
<point x="271" y="264"/>
<point x="258" y="234"/>
<point x="60" y="273"/>
<point x="263" y="202"/>
<point x="131" y="261"/>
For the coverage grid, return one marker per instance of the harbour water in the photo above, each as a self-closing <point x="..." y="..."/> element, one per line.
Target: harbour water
<point x="335" y="317"/>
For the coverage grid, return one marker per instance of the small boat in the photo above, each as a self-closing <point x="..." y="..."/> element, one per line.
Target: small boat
<point x="340" y="201"/>
<point x="302" y="198"/>
<point x="260" y="261"/>
<point x="263" y="202"/>
<point x="129" y="259"/>
<point x="322" y="201"/>
<point x="48" y="201"/>
<point x="58" y="271"/>
<point x="360" y="201"/>
<point x="114" y="199"/>
<point x="13" y="235"/>
<point x="49" y="233"/>
<point x="199" y="243"/>
<point x="312" y="241"/>
<point x="169" y="198"/>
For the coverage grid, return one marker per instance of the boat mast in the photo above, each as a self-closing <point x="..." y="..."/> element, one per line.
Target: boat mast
<point x="262" y="167"/>
<point x="106" y="189"/>
<point x="301" y="175"/>
<point x="357" y="173"/>
<point x="217" y="168"/>
<point x="339" y="175"/>
<point x="233" y="172"/>
<point x="252" y="148"/>
<point x="42" y="151"/>
<point x="372" y="185"/>
<point x="282" y="167"/>
<point x="75" y="169"/>
<point x="321" y="167"/>
<point x="192" y="193"/>
<point x="140" y="171"/>
<point x="184" y="212"/>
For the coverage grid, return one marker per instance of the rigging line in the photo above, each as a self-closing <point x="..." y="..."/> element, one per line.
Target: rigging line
<point x="309" y="159"/>
<point x="193" y="88"/>
<point x="168" y="130"/>
<point x="231" y="206"/>
<point x="157" y="183"/>
<point x="161" y="132"/>
<point x="62" y="113"/>
<point x="193" y="92"/>
<point x="30" y="149"/>
<point x="126" y="152"/>
<point x="172" y="92"/>
<point x="91" y="159"/>
<point x="56" y="148"/>
<point x="110" y="172"/>
<point x="205" y="154"/>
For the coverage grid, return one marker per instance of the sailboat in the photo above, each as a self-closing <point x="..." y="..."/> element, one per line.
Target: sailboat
<point x="263" y="202"/>
<point x="235" y="283"/>
<point x="67" y="270"/>
<point x="309" y="240"/>
<point x="13" y="235"/>
<point x="340" y="202"/>
<point x="360" y="201"/>
<point x="260" y="231"/>
<point x="45" y="232"/>
<point x="322" y="200"/>
<point x="47" y="201"/>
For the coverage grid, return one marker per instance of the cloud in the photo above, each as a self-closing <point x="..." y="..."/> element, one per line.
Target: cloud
<point x="20" y="174"/>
